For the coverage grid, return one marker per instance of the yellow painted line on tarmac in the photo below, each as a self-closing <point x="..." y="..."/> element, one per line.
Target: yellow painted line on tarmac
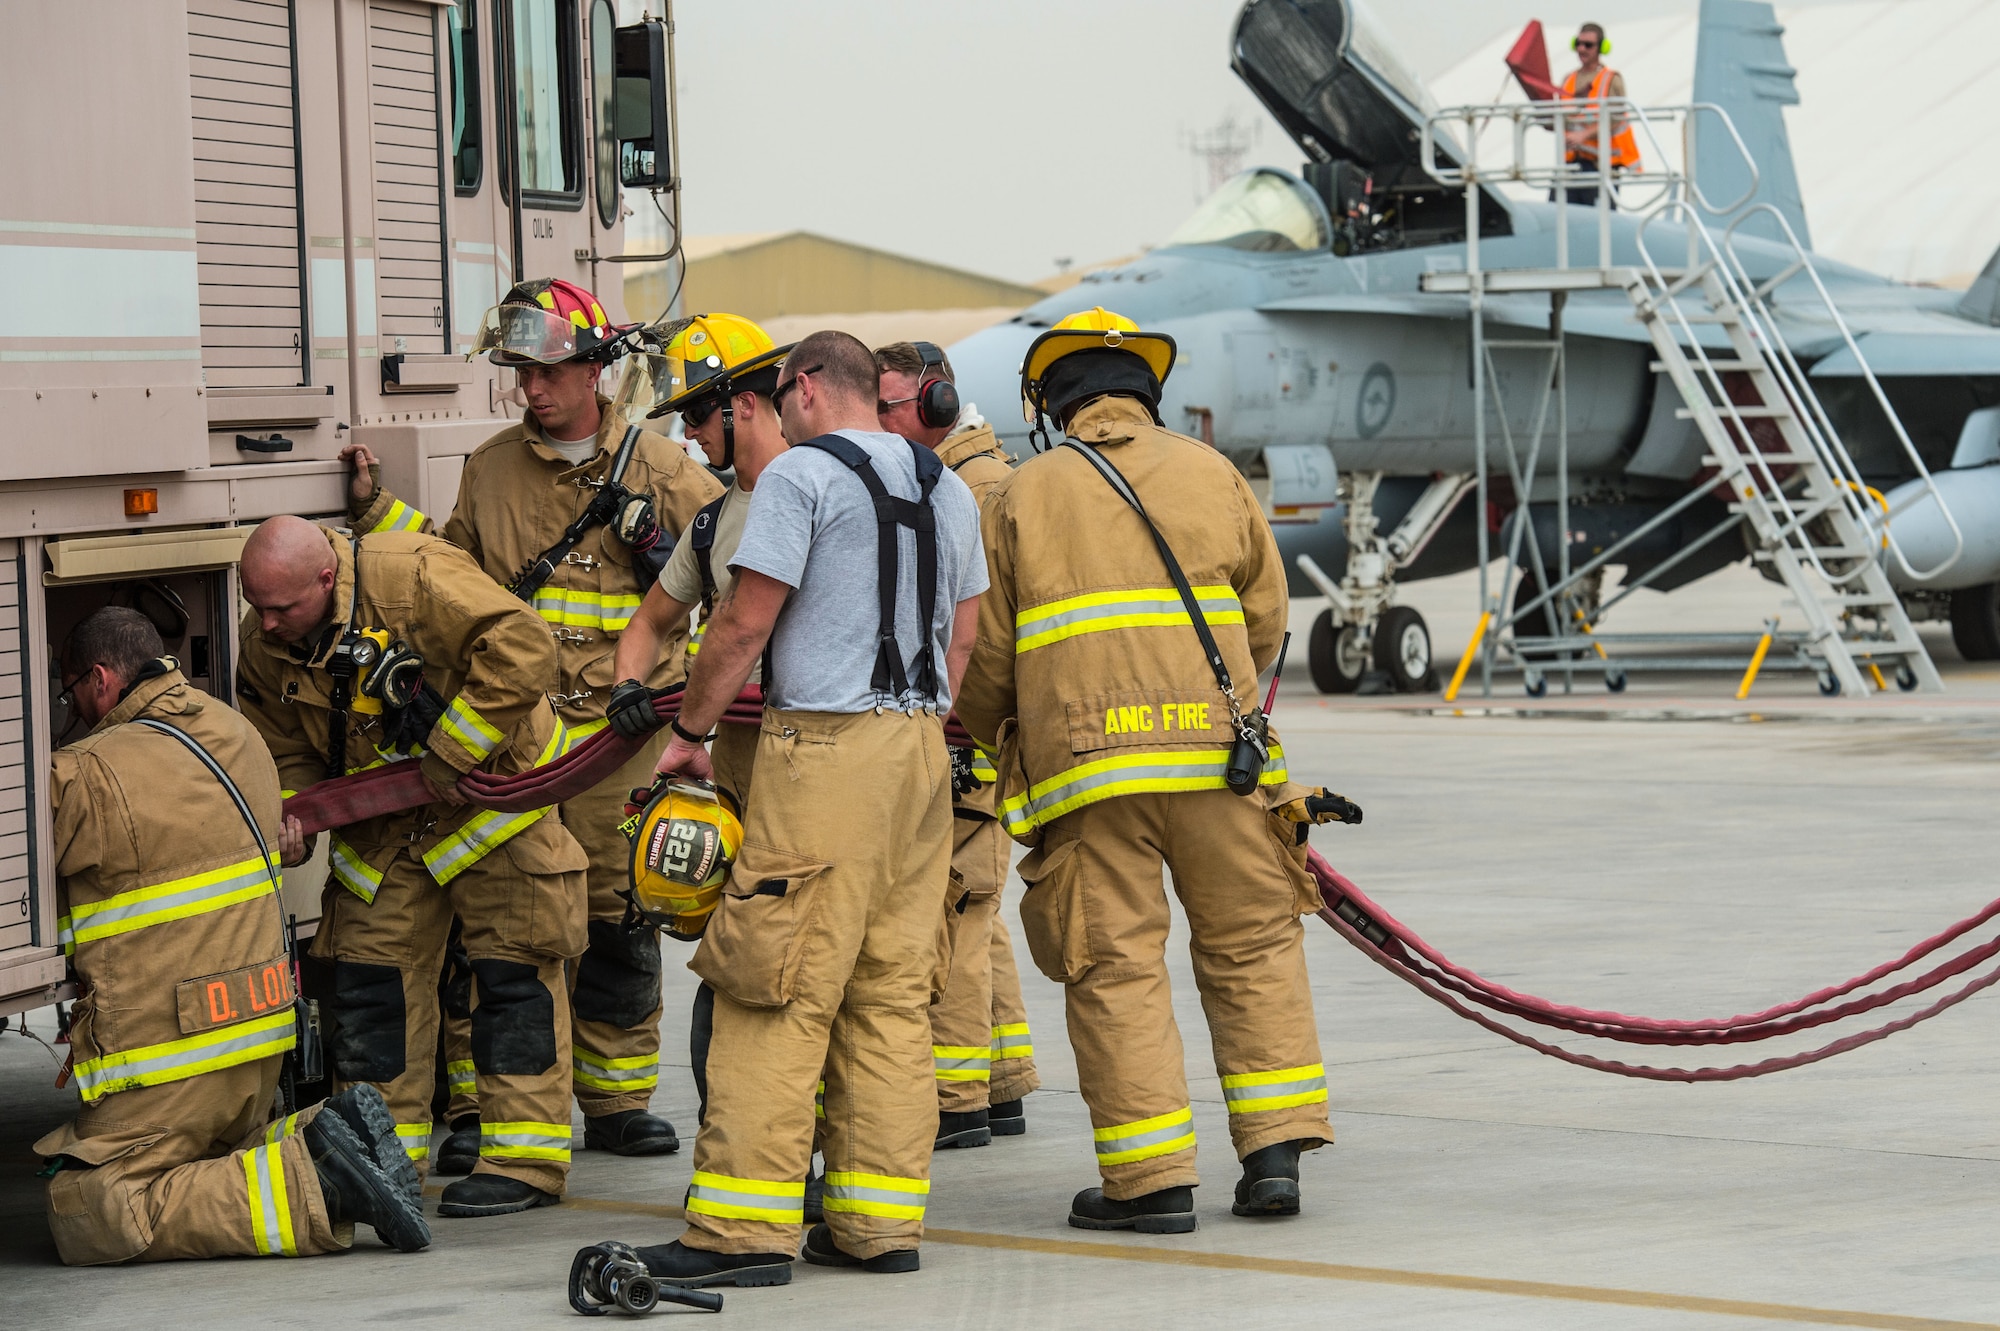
<point x="1381" y="1275"/>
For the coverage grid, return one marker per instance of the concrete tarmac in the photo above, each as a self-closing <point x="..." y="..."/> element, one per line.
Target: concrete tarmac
<point x="1657" y="852"/>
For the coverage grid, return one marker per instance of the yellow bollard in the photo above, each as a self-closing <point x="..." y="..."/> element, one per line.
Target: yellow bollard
<point x="1465" y="661"/>
<point x="1756" y="660"/>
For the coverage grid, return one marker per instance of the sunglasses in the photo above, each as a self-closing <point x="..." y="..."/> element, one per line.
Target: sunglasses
<point x="778" y="397"/>
<point x="882" y="404"/>
<point x="1590" y="42"/>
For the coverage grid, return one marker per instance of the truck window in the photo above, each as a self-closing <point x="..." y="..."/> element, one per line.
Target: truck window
<point x="548" y="110"/>
<point x="468" y="160"/>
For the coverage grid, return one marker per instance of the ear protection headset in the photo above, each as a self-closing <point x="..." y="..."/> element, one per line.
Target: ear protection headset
<point x="937" y="396"/>
<point x="1603" y="43"/>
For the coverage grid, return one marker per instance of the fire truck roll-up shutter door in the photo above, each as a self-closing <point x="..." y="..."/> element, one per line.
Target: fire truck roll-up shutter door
<point x="17" y="880"/>
<point x="248" y="239"/>
<point x="409" y="177"/>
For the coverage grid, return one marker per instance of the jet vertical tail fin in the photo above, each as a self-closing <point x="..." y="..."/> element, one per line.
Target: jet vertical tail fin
<point x="1740" y="65"/>
<point x="1982" y="300"/>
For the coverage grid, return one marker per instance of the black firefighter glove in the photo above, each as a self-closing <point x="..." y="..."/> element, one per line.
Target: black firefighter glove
<point x="1329" y="807"/>
<point x="631" y="710"/>
<point x="963" y="779"/>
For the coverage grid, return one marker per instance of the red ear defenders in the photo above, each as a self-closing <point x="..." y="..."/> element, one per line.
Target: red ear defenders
<point x="1603" y="44"/>
<point x="937" y="396"/>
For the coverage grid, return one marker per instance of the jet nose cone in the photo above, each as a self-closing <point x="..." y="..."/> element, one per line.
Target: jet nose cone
<point x="987" y="368"/>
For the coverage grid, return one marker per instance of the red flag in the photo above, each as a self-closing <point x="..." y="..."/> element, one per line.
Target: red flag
<point x="1529" y="59"/>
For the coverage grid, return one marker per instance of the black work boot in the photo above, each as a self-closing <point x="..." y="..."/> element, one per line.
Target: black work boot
<point x="968" y="1129"/>
<point x="1006" y="1119"/>
<point x="460" y="1151"/>
<point x="815" y="1205"/>
<point x="821" y="1250"/>
<point x="677" y="1264"/>
<point x="368" y="1114"/>
<point x="355" y="1188"/>
<point x="1168" y="1211"/>
<point x="492" y="1194"/>
<point x="1270" y="1182"/>
<point x="630" y="1132"/>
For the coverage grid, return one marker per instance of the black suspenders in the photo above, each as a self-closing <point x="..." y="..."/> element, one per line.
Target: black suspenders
<point x="891" y="513"/>
<point x="701" y="534"/>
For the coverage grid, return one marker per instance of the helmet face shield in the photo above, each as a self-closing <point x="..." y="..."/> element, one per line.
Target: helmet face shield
<point x="522" y="334"/>
<point x="649" y="380"/>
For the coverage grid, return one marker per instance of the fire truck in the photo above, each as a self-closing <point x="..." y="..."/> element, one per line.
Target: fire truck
<point x="239" y="235"/>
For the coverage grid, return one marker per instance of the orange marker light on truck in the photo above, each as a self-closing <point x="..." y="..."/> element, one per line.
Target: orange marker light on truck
<point x="142" y="503"/>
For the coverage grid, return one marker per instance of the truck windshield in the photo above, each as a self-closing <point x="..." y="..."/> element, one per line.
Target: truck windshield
<point x="1263" y="210"/>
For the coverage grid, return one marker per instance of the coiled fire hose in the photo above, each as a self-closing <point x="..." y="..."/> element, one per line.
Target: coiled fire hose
<point x="1377" y="934"/>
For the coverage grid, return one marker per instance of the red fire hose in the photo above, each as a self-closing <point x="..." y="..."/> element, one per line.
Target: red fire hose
<point x="1379" y="935"/>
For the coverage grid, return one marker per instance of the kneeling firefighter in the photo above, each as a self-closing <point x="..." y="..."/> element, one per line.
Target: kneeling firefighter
<point x="1135" y="588"/>
<point x="359" y="651"/>
<point x="166" y="827"/>
<point x="574" y="510"/>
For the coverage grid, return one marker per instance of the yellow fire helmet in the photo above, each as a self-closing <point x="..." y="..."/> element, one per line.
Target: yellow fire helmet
<point x="684" y="840"/>
<point x="1094" y="329"/>
<point x="717" y="352"/>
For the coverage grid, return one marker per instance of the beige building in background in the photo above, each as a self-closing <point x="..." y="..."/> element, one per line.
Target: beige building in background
<point x="795" y="282"/>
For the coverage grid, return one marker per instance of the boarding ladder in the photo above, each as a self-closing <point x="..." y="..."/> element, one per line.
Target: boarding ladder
<point x="1794" y="491"/>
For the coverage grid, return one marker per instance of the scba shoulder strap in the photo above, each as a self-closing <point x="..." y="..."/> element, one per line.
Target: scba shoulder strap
<point x="891" y="513"/>
<point x="603" y="508"/>
<point x="701" y="535"/>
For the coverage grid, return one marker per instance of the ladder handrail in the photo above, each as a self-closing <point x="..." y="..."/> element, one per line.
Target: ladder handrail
<point x="1930" y="487"/>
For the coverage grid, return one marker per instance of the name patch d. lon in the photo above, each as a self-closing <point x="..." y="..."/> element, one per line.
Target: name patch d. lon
<point x="233" y="996"/>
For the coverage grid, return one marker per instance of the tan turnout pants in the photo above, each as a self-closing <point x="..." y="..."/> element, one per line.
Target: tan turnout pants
<point x="980" y="1049"/>
<point x="824" y="955"/>
<point x="192" y="1168"/>
<point x="521" y="908"/>
<point x="1096" y="919"/>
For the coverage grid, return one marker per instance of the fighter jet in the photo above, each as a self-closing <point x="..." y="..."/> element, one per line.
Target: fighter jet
<point x="1317" y="353"/>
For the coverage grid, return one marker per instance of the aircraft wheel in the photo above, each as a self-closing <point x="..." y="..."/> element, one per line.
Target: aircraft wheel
<point x="1975" y="622"/>
<point x="1334" y="655"/>
<point x="1403" y="649"/>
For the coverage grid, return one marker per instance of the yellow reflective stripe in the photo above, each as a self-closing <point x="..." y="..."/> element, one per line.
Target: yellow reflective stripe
<point x="876" y="1194"/>
<point x="177" y="1060"/>
<point x="176" y="899"/>
<point x="352" y="871"/>
<point x="1254" y="1092"/>
<point x="461" y="1077"/>
<point x="819" y="1101"/>
<point x="774" y="1203"/>
<point x="570" y="737"/>
<point x="1126" y="774"/>
<point x="694" y="639"/>
<point x="463" y="723"/>
<point x="589" y="1068"/>
<point x="1162" y="1134"/>
<point x="983" y="769"/>
<point x="270" y="1206"/>
<point x="568" y="607"/>
<point x="962" y="1062"/>
<point x="524" y="1141"/>
<point x="476" y="838"/>
<point x="416" y="1139"/>
<point x="281" y="1129"/>
<point x="400" y="517"/>
<point x="1011" y="1041"/>
<point x="1140" y="607"/>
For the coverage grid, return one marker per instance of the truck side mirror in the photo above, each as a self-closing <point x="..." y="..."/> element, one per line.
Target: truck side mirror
<point x="645" y="153"/>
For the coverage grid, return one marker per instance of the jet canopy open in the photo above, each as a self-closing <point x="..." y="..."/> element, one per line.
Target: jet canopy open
<point x="1263" y="210"/>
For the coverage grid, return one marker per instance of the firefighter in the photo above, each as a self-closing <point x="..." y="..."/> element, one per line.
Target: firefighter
<point x="1113" y="733"/>
<point x="985" y="1060"/>
<point x="824" y="950"/>
<point x="173" y="925"/>
<point x="729" y="367"/>
<point x="362" y="650"/>
<point x="520" y="490"/>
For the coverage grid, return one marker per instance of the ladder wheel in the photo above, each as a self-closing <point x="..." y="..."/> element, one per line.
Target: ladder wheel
<point x="1535" y="684"/>
<point x="1906" y="678"/>
<point x="1615" y="680"/>
<point x="1829" y="683"/>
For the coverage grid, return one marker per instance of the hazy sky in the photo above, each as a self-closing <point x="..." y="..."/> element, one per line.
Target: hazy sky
<point x="998" y="136"/>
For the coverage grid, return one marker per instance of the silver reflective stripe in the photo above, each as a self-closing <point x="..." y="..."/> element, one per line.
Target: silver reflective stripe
<point x="854" y="1192"/>
<point x="1273" y="1090"/>
<point x="1137" y="1141"/>
<point x="787" y="1206"/>
<point x="270" y="1210"/>
<point x="183" y="1058"/>
<point x="1033" y="629"/>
